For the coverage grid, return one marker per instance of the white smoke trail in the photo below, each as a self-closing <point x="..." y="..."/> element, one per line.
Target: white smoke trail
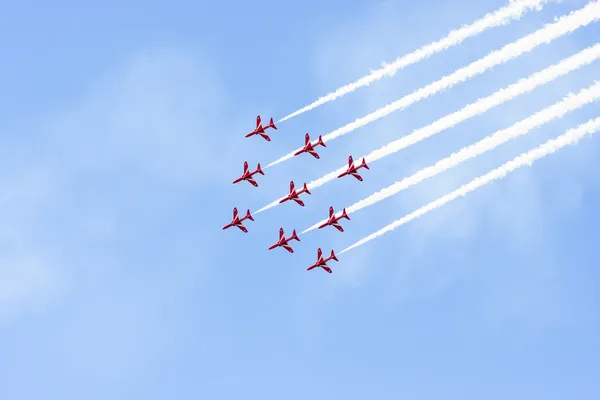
<point x="480" y="106"/>
<point x="566" y="24"/>
<point x="558" y="110"/>
<point x="512" y="11"/>
<point x="570" y="137"/>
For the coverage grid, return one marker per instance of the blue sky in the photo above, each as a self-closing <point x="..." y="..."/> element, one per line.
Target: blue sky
<point x="121" y="129"/>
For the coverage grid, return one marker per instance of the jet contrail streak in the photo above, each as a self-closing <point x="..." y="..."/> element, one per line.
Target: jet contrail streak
<point x="570" y="137"/>
<point x="513" y="10"/>
<point x="566" y="24"/>
<point x="480" y="106"/>
<point x="558" y="110"/>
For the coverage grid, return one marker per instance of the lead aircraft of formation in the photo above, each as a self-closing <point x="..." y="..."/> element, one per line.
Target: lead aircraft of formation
<point x="260" y="129"/>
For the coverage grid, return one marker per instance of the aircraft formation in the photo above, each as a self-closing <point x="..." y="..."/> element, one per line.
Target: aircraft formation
<point x="294" y="194"/>
<point x="566" y="24"/>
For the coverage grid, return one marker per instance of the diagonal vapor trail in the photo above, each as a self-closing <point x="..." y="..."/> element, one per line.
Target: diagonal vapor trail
<point x="564" y="25"/>
<point x="480" y="106"/>
<point x="527" y="159"/>
<point x="523" y="127"/>
<point x="512" y="11"/>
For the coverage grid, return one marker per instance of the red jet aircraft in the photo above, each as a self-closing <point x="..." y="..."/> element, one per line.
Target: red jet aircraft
<point x="237" y="221"/>
<point x="333" y="220"/>
<point x="283" y="242"/>
<point x="260" y="130"/>
<point x="294" y="195"/>
<point x="309" y="147"/>
<point x="352" y="169"/>
<point x="322" y="262"/>
<point x="247" y="175"/>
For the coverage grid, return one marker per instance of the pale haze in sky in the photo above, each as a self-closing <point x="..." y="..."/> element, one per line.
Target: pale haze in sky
<point x="122" y="127"/>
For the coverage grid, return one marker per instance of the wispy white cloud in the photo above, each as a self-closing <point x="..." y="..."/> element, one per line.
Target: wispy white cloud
<point x="132" y="149"/>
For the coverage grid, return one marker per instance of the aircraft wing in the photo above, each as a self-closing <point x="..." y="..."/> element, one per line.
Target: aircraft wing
<point x="314" y="154"/>
<point x="300" y="202"/>
<point x="252" y="182"/>
<point x="288" y="248"/>
<point x="343" y="174"/>
<point x="242" y="228"/>
<point x="338" y="227"/>
<point x="357" y="176"/>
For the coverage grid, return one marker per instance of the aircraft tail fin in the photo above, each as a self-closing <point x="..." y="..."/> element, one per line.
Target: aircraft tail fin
<point x="364" y="164"/>
<point x="294" y="235"/>
<point x="332" y="256"/>
<point x="249" y="216"/>
<point x="306" y="189"/>
<point x="320" y="141"/>
<point x="259" y="170"/>
<point x="272" y="124"/>
<point x="344" y="215"/>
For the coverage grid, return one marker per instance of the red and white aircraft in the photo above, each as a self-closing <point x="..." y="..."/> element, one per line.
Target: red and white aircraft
<point x="322" y="262"/>
<point x="309" y="147"/>
<point x="294" y="194"/>
<point x="260" y="130"/>
<point x="283" y="242"/>
<point x="247" y="175"/>
<point x="352" y="169"/>
<point x="237" y="221"/>
<point x="333" y="220"/>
